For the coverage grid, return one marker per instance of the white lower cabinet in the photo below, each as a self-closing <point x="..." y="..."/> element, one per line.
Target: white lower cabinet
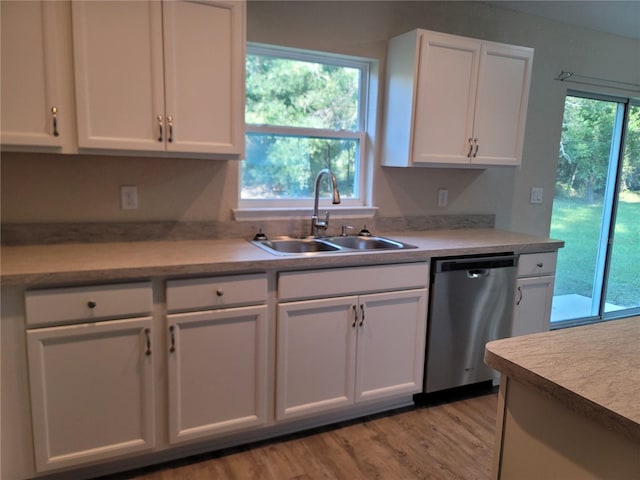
<point x="336" y="351"/>
<point x="98" y="359"/>
<point x="391" y="344"/>
<point x="91" y="383"/>
<point x="217" y="358"/>
<point x="534" y="293"/>
<point x="316" y="356"/>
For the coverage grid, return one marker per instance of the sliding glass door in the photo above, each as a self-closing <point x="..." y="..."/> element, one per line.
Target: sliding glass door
<point x="596" y="210"/>
<point x="623" y="279"/>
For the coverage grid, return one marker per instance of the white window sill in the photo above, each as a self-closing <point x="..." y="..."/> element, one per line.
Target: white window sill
<point x="266" y="213"/>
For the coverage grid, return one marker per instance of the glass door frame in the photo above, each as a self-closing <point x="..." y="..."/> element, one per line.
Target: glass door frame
<point x="609" y="214"/>
<point x="622" y="140"/>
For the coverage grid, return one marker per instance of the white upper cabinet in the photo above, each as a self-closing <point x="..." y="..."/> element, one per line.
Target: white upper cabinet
<point x="160" y="76"/>
<point x="119" y="75"/>
<point x="36" y="74"/>
<point x="204" y="76"/>
<point x="454" y="101"/>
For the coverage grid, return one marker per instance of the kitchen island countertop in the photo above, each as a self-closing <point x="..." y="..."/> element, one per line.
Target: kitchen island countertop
<point x="593" y="370"/>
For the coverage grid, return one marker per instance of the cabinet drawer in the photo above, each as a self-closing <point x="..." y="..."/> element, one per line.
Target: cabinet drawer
<point x="537" y="264"/>
<point x="91" y="303"/>
<point x="348" y="281"/>
<point x="216" y="292"/>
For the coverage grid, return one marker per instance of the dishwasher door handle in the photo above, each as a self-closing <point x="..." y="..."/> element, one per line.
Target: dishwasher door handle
<point x="478" y="273"/>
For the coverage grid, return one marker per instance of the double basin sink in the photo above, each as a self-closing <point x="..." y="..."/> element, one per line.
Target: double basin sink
<point x="313" y="245"/>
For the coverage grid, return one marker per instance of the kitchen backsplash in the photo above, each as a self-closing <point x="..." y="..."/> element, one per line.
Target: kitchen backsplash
<point x="55" y="233"/>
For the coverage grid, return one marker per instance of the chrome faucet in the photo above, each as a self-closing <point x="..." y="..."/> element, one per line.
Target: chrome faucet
<point x="316" y="224"/>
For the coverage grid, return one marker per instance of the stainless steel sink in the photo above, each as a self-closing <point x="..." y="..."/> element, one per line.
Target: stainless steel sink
<point x="295" y="245"/>
<point x="321" y="245"/>
<point x="366" y="243"/>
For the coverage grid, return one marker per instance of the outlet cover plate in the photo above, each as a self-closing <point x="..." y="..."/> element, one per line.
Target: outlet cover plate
<point x="129" y="197"/>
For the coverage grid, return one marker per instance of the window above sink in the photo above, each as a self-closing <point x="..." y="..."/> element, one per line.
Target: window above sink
<point x="305" y="111"/>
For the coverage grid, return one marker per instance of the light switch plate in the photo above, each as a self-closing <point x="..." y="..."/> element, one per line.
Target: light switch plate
<point x="536" y="195"/>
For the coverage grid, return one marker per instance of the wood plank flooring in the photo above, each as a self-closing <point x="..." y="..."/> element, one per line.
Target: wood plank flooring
<point x="443" y="437"/>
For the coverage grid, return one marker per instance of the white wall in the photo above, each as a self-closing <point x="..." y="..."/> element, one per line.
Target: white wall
<point x="51" y="188"/>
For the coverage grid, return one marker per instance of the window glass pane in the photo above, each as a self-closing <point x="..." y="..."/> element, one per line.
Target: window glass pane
<point x="295" y="93"/>
<point x="623" y="287"/>
<point x="580" y="215"/>
<point x="285" y="167"/>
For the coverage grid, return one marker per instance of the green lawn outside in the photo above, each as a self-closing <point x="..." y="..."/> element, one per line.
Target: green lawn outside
<point x="578" y="224"/>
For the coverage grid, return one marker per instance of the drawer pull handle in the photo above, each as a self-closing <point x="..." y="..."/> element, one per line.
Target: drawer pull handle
<point x="172" y="330"/>
<point x="91" y="304"/>
<point x="147" y="332"/>
<point x="539" y="264"/>
<point x="362" y="316"/>
<point x="355" y="316"/>
<point x="219" y="292"/>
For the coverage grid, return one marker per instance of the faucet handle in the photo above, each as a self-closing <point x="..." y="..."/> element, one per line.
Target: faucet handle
<point x="364" y="232"/>
<point x="343" y="230"/>
<point x="326" y="219"/>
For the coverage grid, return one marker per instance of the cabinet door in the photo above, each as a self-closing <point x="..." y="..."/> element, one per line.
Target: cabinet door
<point x="501" y="105"/>
<point x="445" y="99"/>
<point x="118" y="73"/>
<point x="204" y="76"/>
<point x="391" y="344"/>
<point x="316" y="356"/>
<point x="31" y="87"/>
<point x="532" y="310"/>
<point x="217" y="371"/>
<point x="91" y="391"/>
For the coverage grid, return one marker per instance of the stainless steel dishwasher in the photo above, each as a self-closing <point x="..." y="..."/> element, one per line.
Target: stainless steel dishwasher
<point x="471" y="304"/>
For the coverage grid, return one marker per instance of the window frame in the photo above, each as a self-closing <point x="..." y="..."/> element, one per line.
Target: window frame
<point x="361" y="204"/>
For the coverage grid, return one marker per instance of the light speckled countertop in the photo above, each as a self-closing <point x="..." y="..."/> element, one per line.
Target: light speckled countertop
<point x="82" y="262"/>
<point x="594" y="369"/>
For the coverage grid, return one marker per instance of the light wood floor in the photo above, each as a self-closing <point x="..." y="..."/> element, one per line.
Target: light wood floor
<point x="440" y="438"/>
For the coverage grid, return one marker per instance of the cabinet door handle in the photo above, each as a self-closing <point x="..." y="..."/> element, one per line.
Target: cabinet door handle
<point x="355" y="316"/>
<point x="475" y="153"/>
<point x="520" y="296"/>
<point x="362" y="314"/>
<point x="54" y="115"/>
<point x="160" y="133"/>
<point x="147" y="332"/>
<point x="170" y="128"/>
<point x="470" y="147"/>
<point x="172" y="332"/>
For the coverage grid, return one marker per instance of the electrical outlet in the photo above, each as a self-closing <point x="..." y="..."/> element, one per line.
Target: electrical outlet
<point x="536" y="195"/>
<point x="443" y="197"/>
<point x="128" y="197"/>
